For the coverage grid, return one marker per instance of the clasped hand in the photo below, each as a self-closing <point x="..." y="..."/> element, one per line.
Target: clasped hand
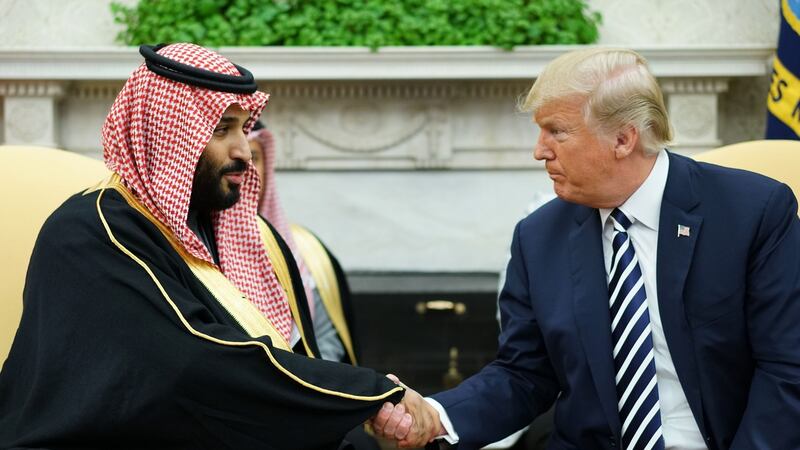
<point x="412" y="423"/>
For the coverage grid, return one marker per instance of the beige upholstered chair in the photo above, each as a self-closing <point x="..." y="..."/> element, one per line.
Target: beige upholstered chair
<point x="35" y="181"/>
<point x="776" y="159"/>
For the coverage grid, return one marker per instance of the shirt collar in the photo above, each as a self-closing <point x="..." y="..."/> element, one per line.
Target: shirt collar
<point x="645" y="204"/>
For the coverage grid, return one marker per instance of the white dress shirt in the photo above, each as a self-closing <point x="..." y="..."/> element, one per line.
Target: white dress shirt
<point x="644" y="209"/>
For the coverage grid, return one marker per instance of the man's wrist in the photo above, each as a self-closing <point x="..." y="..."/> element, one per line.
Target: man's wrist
<point x="446" y="430"/>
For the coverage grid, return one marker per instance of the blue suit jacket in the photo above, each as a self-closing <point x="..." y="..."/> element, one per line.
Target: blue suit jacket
<point x="729" y="298"/>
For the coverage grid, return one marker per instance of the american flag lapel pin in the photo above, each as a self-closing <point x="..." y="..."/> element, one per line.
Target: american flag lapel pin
<point x="683" y="230"/>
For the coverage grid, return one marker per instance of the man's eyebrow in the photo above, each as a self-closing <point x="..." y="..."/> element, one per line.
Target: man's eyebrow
<point x="227" y="120"/>
<point x="554" y="119"/>
<point x="546" y="122"/>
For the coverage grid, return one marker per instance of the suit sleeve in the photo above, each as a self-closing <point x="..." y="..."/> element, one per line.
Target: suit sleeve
<point x="773" y="316"/>
<point x="521" y="377"/>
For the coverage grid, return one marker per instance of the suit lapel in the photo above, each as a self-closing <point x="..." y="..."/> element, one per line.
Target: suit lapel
<point x="675" y="252"/>
<point x="591" y="308"/>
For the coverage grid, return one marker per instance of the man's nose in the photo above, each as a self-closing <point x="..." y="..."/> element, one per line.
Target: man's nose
<point x="541" y="150"/>
<point x="241" y="149"/>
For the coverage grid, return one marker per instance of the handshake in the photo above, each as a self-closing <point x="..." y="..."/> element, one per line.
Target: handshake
<point x="411" y="423"/>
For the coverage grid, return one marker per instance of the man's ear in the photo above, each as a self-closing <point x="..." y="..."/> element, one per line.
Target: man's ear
<point x="625" y="142"/>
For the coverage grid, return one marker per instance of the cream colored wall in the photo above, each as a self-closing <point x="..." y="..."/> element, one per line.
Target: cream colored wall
<point x="419" y="220"/>
<point x="57" y="23"/>
<point x="687" y="22"/>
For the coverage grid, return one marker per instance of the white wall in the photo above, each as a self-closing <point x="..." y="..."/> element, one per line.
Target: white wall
<point x="422" y="220"/>
<point x="688" y="22"/>
<point x="57" y="23"/>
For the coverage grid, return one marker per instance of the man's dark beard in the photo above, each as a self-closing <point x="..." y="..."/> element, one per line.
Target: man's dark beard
<point x="207" y="187"/>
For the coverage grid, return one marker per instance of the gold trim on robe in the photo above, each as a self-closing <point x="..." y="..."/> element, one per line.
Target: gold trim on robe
<point x="114" y="182"/>
<point x="243" y="311"/>
<point x="284" y="278"/>
<point x="319" y="264"/>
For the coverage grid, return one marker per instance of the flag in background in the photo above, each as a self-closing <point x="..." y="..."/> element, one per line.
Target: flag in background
<point x="783" y="101"/>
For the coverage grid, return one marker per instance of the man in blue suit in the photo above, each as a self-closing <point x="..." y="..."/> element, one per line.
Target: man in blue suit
<point x="656" y="301"/>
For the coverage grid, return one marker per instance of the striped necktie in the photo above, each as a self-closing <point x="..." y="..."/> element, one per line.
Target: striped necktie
<point x="637" y="392"/>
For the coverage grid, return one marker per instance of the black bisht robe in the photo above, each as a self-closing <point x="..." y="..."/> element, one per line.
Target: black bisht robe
<point x="102" y="360"/>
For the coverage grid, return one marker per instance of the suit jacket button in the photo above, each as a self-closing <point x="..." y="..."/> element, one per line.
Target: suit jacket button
<point x="612" y="441"/>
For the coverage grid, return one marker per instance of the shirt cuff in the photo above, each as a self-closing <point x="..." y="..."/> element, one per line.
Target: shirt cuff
<point x="451" y="437"/>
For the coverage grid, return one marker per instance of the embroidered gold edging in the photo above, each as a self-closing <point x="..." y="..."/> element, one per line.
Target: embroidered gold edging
<point x="100" y="184"/>
<point x="321" y="267"/>
<point x="284" y="278"/>
<point x="226" y="293"/>
<point x="194" y="332"/>
<point x="238" y="305"/>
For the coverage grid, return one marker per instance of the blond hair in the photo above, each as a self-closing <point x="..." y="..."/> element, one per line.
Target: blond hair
<point x="619" y="90"/>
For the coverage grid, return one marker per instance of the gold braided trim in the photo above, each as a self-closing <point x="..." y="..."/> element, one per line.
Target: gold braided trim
<point x="194" y="332"/>
<point x="281" y="269"/>
<point x="321" y="268"/>
<point x="254" y="323"/>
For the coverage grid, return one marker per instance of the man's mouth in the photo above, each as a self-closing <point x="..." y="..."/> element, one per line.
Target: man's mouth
<point x="235" y="171"/>
<point x="235" y="177"/>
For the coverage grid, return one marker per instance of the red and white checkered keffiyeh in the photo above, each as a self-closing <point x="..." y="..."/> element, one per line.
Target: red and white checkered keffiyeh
<point x="271" y="209"/>
<point x="153" y="138"/>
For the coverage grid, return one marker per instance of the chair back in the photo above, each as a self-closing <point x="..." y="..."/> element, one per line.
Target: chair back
<point x="36" y="180"/>
<point x="776" y="159"/>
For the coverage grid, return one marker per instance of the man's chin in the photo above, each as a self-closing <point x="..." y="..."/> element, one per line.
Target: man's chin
<point x="227" y="196"/>
<point x="231" y="201"/>
<point x="565" y="194"/>
<point x="231" y="189"/>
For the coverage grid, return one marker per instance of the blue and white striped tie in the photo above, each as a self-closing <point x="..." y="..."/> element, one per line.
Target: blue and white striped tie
<point x="637" y="392"/>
